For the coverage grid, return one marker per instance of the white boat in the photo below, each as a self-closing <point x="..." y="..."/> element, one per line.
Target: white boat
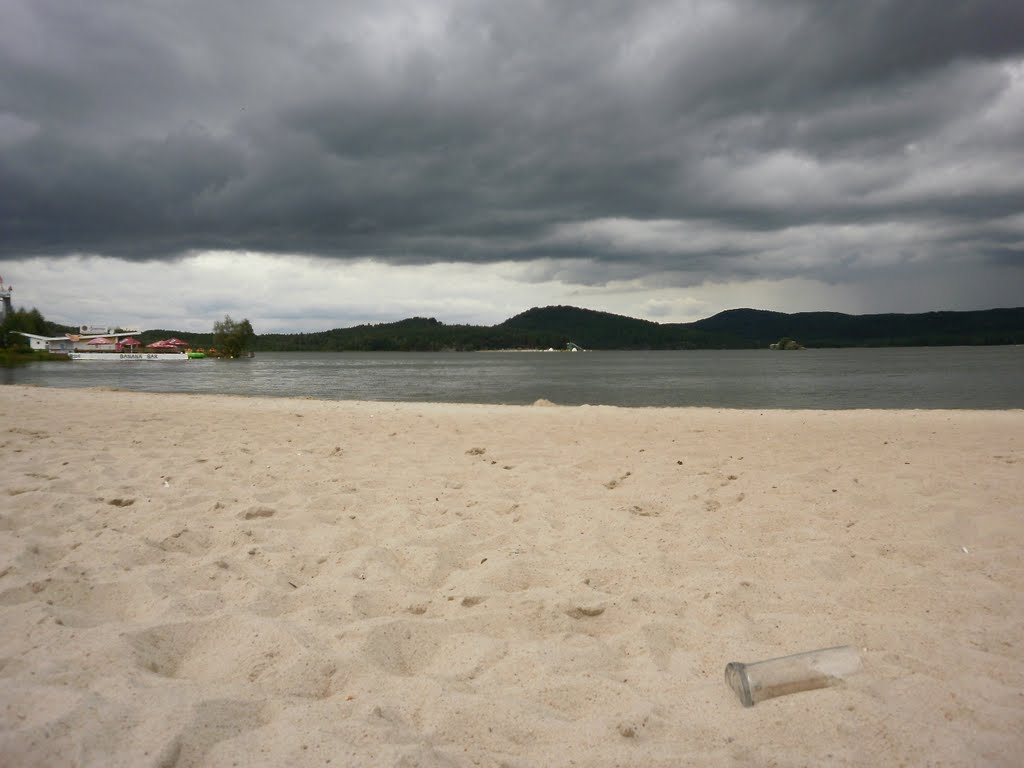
<point x="129" y="357"/>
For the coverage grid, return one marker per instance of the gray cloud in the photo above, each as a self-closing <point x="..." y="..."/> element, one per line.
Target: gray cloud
<point x="604" y="141"/>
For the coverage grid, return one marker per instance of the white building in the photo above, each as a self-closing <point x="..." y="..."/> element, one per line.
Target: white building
<point x="70" y="342"/>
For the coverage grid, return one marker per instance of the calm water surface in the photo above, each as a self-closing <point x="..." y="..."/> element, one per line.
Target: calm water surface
<point x="945" y="377"/>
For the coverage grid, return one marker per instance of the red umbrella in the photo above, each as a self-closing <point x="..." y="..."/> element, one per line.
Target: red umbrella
<point x="160" y="345"/>
<point x="174" y="341"/>
<point x="99" y="340"/>
<point x="129" y="343"/>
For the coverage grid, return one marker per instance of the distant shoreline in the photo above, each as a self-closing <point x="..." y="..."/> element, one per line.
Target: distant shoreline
<point x="553" y="327"/>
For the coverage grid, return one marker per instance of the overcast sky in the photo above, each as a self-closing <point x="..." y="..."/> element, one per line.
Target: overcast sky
<point x="319" y="164"/>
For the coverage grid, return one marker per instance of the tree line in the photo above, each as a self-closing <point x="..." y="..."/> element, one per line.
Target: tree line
<point x="555" y="327"/>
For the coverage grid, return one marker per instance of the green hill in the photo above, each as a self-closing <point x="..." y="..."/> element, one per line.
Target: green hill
<point x="554" y="327"/>
<point x="834" y="329"/>
<point x="416" y="334"/>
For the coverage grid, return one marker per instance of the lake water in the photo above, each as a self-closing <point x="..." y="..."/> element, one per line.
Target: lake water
<point x="933" y="377"/>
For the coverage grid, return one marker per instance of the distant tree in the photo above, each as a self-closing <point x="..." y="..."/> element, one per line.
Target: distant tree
<point x="25" y="321"/>
<point x="230" y="338"/>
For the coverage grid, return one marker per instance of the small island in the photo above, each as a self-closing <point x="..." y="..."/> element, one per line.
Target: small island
<point x="786" y="343"/>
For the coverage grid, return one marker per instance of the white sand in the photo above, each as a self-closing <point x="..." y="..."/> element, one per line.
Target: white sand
<point x="226" y="581"/>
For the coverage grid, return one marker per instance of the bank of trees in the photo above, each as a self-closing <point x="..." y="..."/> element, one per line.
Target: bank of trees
<point x="26" y="321"/>
<point x="231" y="338"/>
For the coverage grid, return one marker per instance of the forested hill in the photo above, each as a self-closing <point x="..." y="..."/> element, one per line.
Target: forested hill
<point x="833" y="329"/>
<point x="554" y="327"/>
<point x="549" y="327"/>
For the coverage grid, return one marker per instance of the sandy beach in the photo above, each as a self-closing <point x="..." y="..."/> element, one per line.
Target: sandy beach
<point x="223" y="581"/>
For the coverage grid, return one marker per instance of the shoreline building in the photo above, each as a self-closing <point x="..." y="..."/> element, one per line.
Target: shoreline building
<point x="71" y="342"/>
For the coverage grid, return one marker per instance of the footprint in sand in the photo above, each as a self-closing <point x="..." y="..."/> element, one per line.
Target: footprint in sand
<point x="213" y="721"/>
<point x="406" y="647"/>
<point x="374" y="603"/>
<point x="83" y="604"/>
<point x="186" y="541"/>
<point x="235" y="650"/>
<point x="616" y="481"/>
<point x="585" y="610"/>
<point x="254" y="513"/>
<point x="646" y="510"/>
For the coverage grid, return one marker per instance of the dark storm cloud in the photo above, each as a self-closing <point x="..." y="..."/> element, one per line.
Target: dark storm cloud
<point x="701" y="138"/>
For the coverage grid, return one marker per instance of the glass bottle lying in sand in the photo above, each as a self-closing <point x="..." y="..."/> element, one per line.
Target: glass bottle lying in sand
<point x="791" y="674"/>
